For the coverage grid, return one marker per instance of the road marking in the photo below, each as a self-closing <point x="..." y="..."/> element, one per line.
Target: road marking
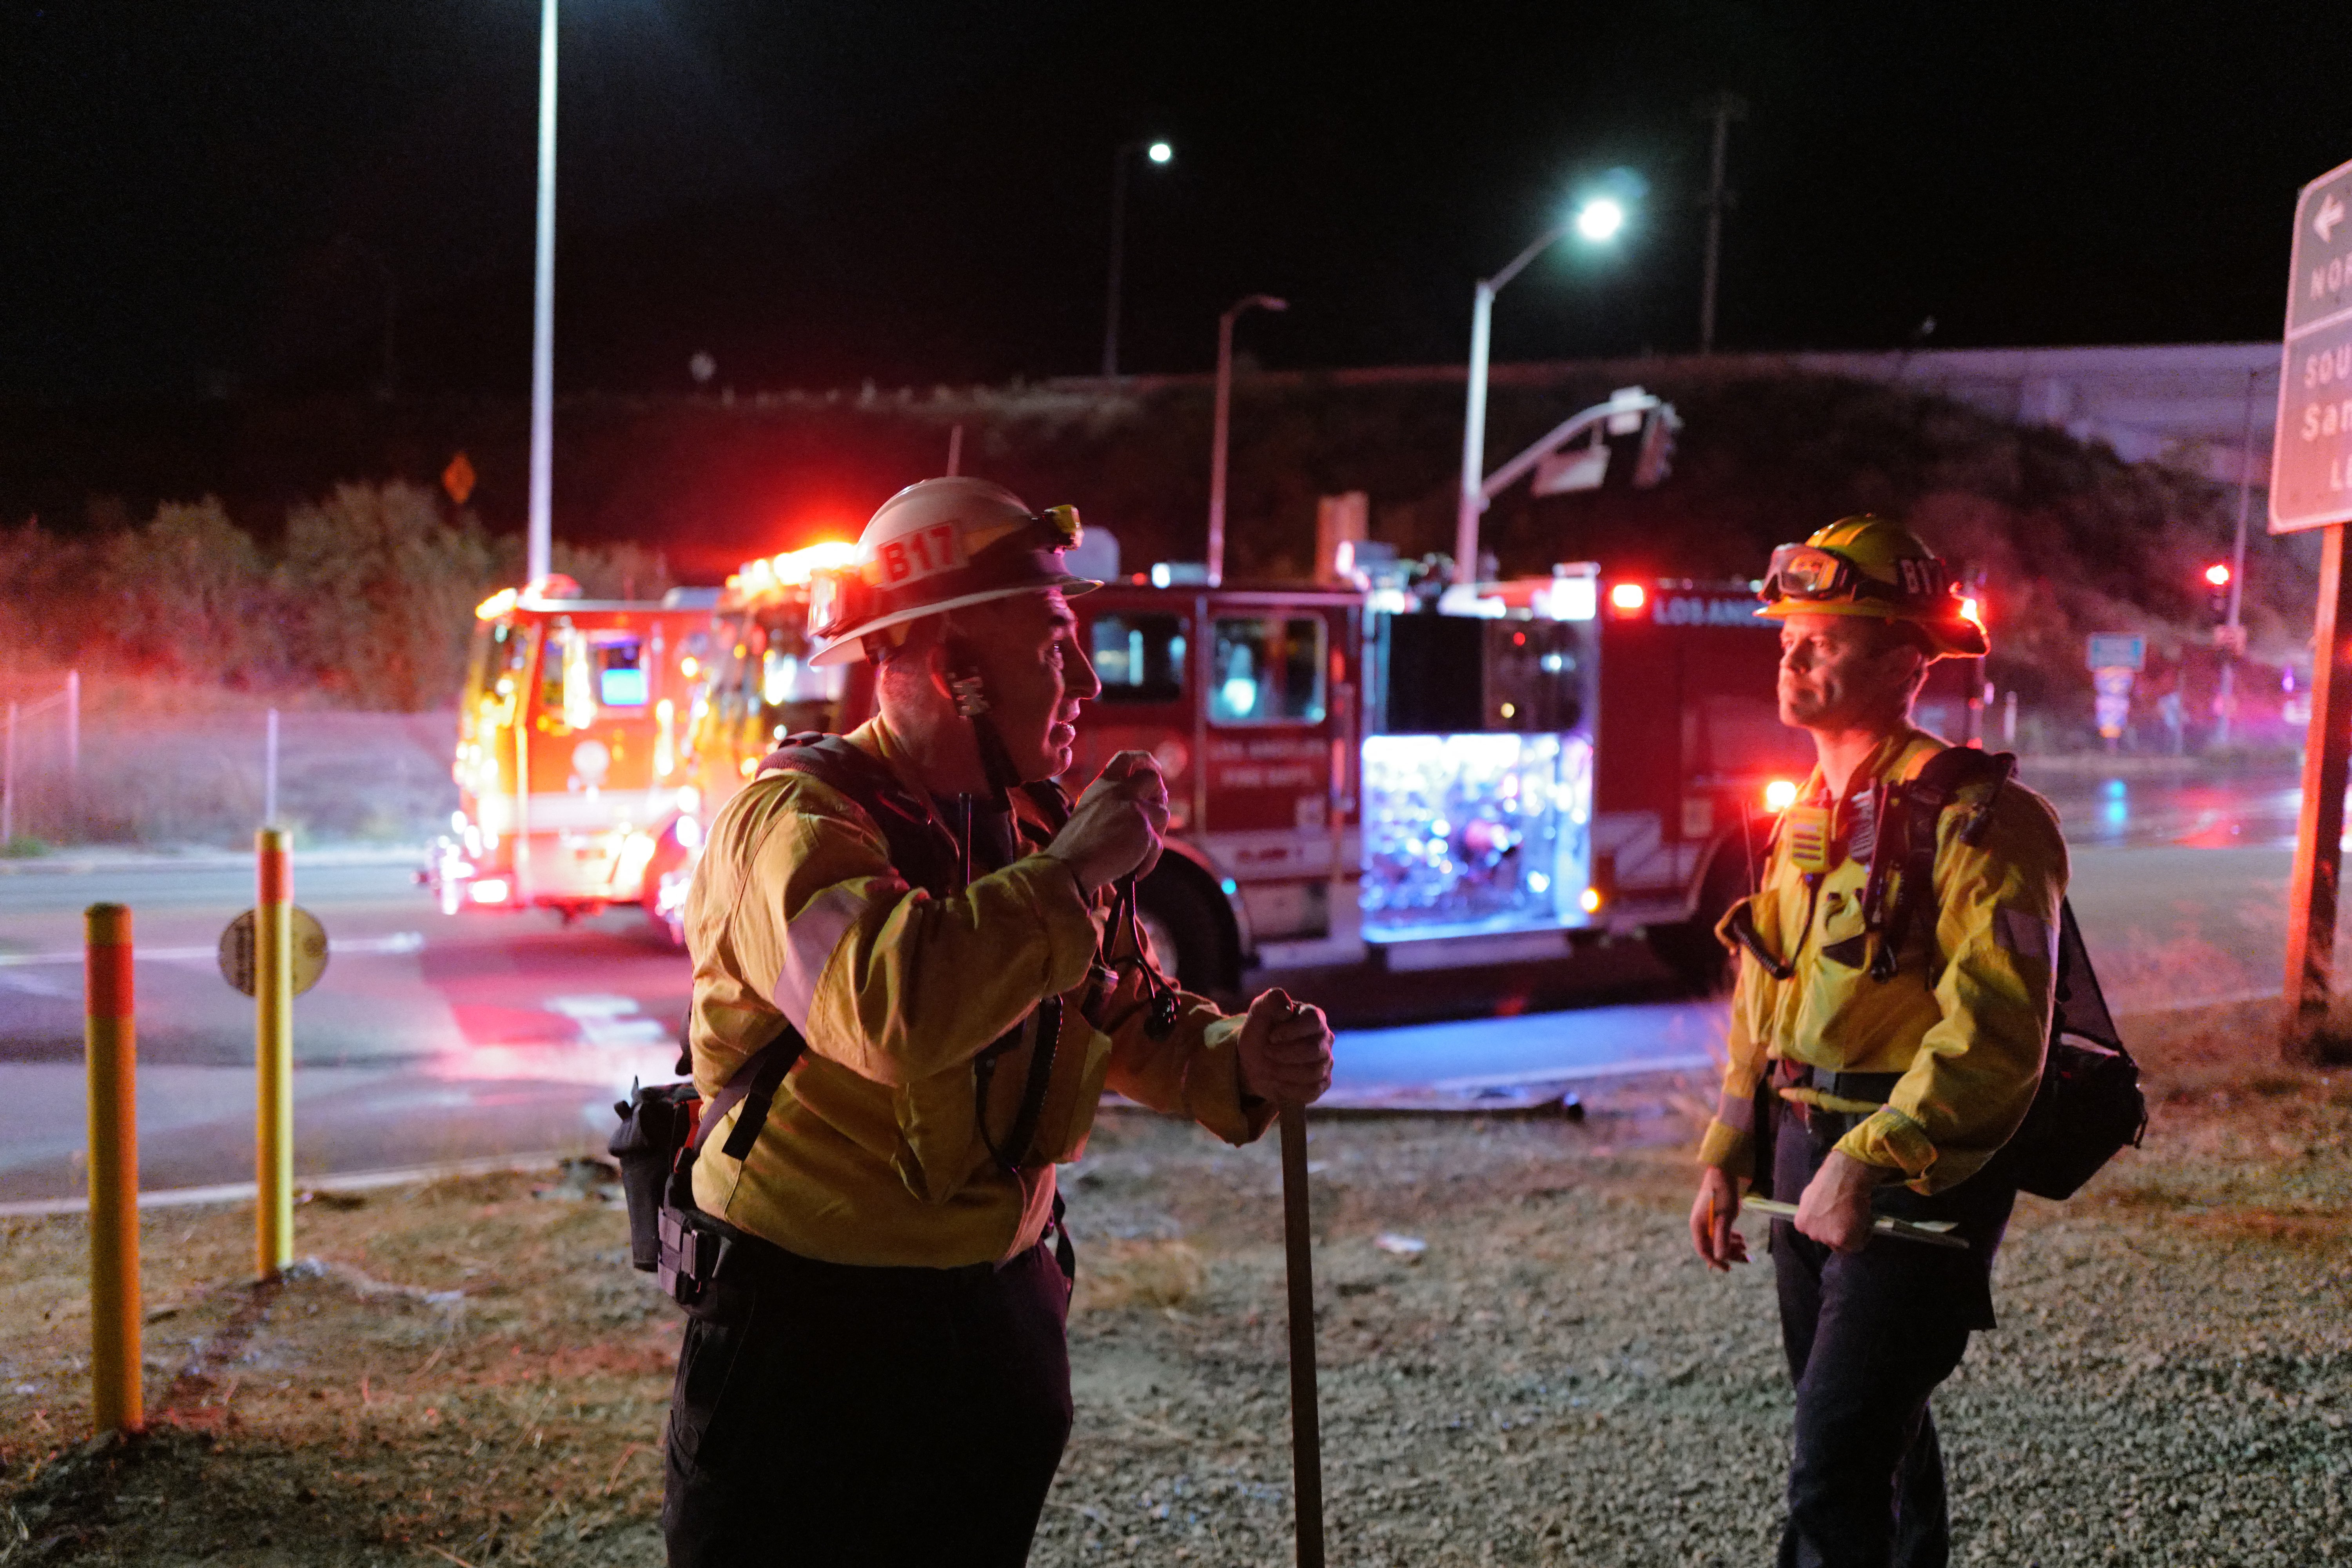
<point x="609" y="1020"/>
<point x="398" y="944"/>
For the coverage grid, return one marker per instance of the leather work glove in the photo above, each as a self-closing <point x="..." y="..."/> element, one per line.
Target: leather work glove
<point x="1116" y="826"/>
<point x="1285" y="1050"/>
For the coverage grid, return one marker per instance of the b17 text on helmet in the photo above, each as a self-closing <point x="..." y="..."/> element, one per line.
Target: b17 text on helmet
<point x="920" y="554"/>
<point x="1921" y="577"/>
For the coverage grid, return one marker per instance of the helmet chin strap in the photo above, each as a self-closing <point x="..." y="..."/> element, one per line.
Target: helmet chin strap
<point x="972" y="702"/>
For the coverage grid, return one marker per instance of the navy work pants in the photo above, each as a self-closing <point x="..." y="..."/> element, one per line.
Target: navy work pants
<point x="826" y="1414"/>
<point x="1869" y="1335"/>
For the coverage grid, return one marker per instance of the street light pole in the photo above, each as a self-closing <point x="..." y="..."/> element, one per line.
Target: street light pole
<point x="1159" y="153"/>
<point x="1472" y="501"/>
<point x="2228" y="701"/>
<point x="543" y="336"/>
<point x="1221" y="435"/>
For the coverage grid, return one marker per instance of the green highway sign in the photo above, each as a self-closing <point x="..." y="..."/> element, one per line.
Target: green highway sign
<point x="2311" y="455"/>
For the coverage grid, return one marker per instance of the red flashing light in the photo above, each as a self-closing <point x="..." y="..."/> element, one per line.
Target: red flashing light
<point x="1628" y="598"/>
<point x="1971" y="611"/>
<point x="2217" y="575"/>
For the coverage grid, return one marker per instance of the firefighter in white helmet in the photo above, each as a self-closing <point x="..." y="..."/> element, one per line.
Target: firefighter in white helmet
<point x="1888" y="1033"/>
<point x="942" y="954"/>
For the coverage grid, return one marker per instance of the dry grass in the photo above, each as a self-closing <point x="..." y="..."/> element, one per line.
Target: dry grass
<point x="1148" y="1275"/>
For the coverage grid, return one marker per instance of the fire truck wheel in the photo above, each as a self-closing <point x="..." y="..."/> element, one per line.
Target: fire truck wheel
<point x="1186" y="931"/>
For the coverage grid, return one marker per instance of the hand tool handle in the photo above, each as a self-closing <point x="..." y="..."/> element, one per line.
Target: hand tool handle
<point x="1934" y="1233"/>
<point x="1306" y="1432"/>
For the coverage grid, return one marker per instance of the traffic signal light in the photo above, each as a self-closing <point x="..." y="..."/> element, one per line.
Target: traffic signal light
<point x="2216" y="588"/>
<point x="1654" y="459"/>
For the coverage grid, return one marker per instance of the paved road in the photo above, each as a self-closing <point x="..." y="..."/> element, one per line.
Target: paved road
<point x="435" y="1037"/>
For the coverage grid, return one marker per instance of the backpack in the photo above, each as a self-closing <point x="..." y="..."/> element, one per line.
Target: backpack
<point x="2088" y="1104"/>
<point x="664" y="1126"/>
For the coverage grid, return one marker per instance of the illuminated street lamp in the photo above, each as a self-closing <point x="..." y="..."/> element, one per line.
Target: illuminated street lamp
<point x="537" y="546"/>
<point x="1599" y="221"/>
<point x="1159" y="152"/>
<point x="1220" y="437"/>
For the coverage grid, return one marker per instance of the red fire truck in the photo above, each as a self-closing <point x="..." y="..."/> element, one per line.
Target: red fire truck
<point x="569" y="749"/>
<point x="1491" y="778"/>
<point x="1494" y="776"/>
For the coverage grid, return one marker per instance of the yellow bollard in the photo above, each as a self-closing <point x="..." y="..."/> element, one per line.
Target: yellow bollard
<point x="273" y="1006"/>
<point x="117" y="1396"/>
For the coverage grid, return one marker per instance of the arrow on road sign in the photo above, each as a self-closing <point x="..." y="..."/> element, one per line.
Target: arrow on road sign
<point x="2331" y="213"/>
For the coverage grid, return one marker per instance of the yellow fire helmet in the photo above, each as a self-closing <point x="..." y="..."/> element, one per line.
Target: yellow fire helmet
<point x="938" y="545"/>
<point x="1866" y="565"/>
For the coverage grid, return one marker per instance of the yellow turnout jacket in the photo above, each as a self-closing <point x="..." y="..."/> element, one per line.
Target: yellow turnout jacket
<point x="1966" y="1015"/>
<point x="872" y="1153"/>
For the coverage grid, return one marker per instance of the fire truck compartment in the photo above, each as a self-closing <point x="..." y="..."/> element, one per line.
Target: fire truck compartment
<point x="1468" y="834"/>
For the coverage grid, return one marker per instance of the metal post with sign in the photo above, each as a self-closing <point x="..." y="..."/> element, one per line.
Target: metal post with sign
<point x="2311" y="487"/>
<point x="273" y="952"/>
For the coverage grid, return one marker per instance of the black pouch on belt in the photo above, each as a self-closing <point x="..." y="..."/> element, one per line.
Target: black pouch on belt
<point x="656" y="1122"/>
<point x="661" y="1134"/>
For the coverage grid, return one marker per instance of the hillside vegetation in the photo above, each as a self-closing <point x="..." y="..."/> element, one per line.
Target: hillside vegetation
<point x="365" y="599"/>
<point x="366" y="591"/>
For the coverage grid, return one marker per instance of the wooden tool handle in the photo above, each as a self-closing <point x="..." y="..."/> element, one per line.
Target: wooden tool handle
<point x="1306" y="1430"/>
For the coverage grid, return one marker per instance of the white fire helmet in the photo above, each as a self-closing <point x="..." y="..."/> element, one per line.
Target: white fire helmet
<point x="936" y="546"/>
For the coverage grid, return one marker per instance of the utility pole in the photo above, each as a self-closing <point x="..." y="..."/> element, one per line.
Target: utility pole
<point x="1723" y="109"/>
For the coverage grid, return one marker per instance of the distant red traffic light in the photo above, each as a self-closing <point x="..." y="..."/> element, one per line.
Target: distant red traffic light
<point x="2217" y="575"/>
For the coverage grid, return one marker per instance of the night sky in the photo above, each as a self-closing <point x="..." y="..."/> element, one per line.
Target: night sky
<point x="206" y="200"/>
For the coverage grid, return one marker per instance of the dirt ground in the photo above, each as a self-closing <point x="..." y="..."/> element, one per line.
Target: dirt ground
<point x="471" y="1373"/>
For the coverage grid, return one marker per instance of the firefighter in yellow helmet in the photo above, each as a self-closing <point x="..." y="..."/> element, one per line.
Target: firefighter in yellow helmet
<point x="1887" y="1032"/>
<point x="917" y="954"/>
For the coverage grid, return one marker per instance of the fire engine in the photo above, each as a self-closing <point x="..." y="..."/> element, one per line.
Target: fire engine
<point x="1492" y="775"/>
<point x="569" y="749"/>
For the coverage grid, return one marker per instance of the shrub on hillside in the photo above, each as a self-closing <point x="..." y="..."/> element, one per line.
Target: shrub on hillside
<point x="189" y="596"/>
<point x="379" y="592"/>
<point x="368" y="599"/>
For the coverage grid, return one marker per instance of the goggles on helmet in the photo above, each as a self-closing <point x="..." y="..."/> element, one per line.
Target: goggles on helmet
<point x="1808" y="574"/>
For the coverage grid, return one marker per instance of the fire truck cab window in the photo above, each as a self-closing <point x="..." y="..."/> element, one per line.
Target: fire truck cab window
<point x="581" y="671"/>
<point x="499" y="651"/>
<point x="1140" y="658"/>
<point x="786" y="676"/>
<point x="1267" y="669"/>
<point x="620" y="671"/>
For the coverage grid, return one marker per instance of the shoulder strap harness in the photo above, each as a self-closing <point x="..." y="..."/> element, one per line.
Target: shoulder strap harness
<point x="1902" y="860"/>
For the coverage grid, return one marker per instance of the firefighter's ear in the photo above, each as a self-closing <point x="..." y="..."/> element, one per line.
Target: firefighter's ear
<point x="938" y="668"/>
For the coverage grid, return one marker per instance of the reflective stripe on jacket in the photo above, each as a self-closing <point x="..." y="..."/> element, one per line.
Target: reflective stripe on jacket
<point x="1964" y="1019"/>
<point x="871" y="1155"/>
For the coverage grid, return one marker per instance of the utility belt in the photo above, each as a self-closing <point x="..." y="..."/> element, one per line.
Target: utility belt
<point x="1824" y="1105"/>
<point x="718" y="1263"/>
<point x="1810" y="1094"/>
